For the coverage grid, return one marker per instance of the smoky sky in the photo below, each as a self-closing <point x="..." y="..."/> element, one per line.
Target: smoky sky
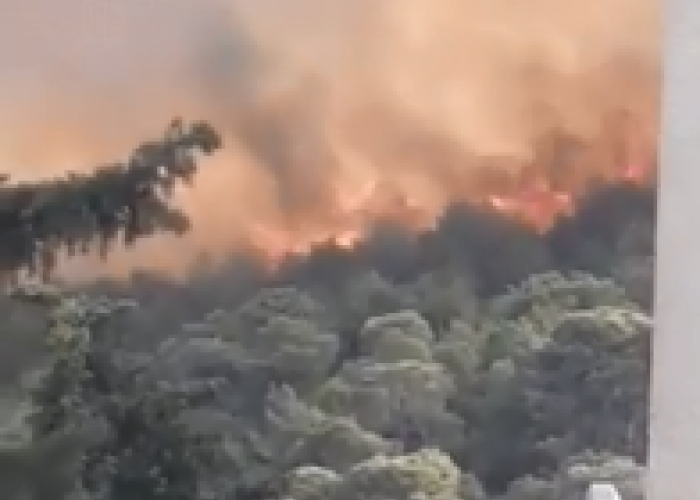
<point x="315" y="98"/>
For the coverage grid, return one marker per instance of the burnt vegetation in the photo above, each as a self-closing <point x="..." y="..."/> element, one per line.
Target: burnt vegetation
<point x="479" y="360"/>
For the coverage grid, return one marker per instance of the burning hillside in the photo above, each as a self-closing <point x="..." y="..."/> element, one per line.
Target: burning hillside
<point x="339" y="115"/>
<point x="416" y="237"/>
<point x="535" y="194"/>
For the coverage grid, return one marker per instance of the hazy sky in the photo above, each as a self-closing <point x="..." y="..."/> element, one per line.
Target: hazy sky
<point x="315" y="97"/>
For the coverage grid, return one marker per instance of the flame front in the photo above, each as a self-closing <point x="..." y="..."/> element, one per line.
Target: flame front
<point x="533" y="200"/>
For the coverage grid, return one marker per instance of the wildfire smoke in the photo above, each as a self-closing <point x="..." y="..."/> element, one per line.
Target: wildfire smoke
<point x="337" y="114"/>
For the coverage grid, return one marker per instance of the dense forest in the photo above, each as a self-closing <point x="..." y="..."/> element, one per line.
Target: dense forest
<point x="479" y="360"/>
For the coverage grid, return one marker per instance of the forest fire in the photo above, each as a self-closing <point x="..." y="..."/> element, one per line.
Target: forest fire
<point x="533" y="201"/>
<point x="339" y="115"/>
<point x="274" y="249"/>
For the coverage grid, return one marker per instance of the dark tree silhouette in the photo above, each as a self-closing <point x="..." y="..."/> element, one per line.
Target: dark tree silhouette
<point x="79" y="213"/>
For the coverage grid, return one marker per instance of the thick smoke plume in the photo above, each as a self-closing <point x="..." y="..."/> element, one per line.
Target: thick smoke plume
<point x="334" y="113"/>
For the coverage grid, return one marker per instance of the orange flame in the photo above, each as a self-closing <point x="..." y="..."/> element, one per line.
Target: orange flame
<point x="534" y="202"/>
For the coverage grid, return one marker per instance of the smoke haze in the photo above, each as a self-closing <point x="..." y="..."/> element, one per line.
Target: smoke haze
<point x="324" y="105"/>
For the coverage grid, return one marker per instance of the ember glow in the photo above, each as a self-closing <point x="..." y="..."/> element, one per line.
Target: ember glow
<point x="337" y="114"/>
